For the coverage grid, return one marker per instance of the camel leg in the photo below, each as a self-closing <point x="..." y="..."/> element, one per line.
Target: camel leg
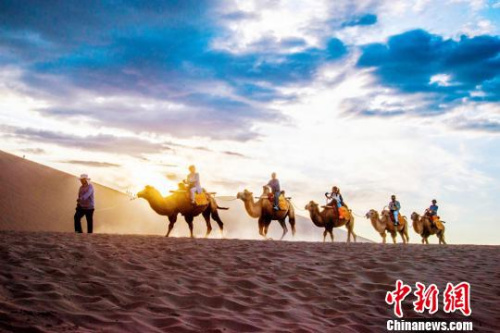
<point x="261" y="227"/>
<point x="217" y="219"/>
<point x="285" y="229"/>
<point x="172" y="220"/>
<point x="393" y="235"/>
<point x="402" y="234"/>
<point x="324" y="235"/>
<point x="441" y="239"/>
<point x="206" y="216"/>
<point x="189" y="221"/>
<point x="291" y="218"/>
<point x="350" y="230"/>
<point x="331" y="234"/>
<point x="423" y="240"/>
<point x="383" y="237"/>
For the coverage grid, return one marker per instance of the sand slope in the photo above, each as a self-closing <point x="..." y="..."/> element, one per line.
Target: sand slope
<point x="53" y="282"/>
<point x="35" y="197"/>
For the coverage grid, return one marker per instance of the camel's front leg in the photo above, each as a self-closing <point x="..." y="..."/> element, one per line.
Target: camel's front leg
<point x="331" y="234"/>
<point x="324" y="235"/>
<point x="285" y="229"/>
<point x="383" y="237"/>
<point x="172" y="220"/>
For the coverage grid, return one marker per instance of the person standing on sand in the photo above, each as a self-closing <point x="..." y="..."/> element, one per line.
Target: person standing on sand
<point x="85" y="205"/>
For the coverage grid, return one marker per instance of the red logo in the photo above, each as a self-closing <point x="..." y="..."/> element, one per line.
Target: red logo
<point x="398" y="296"/>
<point x="426" y="298"/>
<point x="455" y="297"/>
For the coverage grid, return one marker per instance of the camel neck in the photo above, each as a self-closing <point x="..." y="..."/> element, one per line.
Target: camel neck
<point x="253" y="208"/>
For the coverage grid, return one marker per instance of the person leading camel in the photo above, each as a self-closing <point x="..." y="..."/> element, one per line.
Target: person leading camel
<point x="432" y="211"/>
<point x="394" y="207"/>
<point x="193" y="183"/>
<point x="274" y="184"/>
<point x="85" y="205"/>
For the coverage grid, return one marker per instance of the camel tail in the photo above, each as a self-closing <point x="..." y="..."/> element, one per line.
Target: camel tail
<point x="222" y="208"/>
<point x="291" y="217"/>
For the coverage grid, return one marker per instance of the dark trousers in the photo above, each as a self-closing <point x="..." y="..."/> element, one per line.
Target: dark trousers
<point x="89" y="216"/>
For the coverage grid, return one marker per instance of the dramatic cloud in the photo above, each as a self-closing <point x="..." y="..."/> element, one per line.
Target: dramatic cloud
<point x="419" y="62"/>
<point x="160" y="52"/>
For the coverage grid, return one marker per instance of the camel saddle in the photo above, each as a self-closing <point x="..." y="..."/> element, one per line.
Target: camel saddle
<point x="344" y="213"/>
<point x="282" y="201"/>
<point x="400" y="218"/>
<point x="437" y="222"/>
<point x="201" y="199"/>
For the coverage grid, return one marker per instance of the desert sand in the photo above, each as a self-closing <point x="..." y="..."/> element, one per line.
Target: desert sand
<point x="35" y="197"/>
<point x="53" y="282"/>
<point x="129" y="278"/>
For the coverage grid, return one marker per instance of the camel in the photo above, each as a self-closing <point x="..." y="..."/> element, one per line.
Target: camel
<point x="423" y="227"/>
<point x="264" y="212"/>
<point x="179" y="202"/>
<point x="328" y="218"/>
<point x="385" y="223"/>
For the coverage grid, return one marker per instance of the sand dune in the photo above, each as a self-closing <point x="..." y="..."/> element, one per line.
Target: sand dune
<point x="53" y="282"/>
<point x="38" y="198"/>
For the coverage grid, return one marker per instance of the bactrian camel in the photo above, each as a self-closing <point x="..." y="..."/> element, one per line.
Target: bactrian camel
<point x="179" y="202"/>
<point x="328" y="218"/>
<point x="385" y="224"/>
<point x="424" y="228"/>
<point x="264" y="212"/>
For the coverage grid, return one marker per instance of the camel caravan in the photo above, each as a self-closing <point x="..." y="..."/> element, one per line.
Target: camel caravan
<point x="191" y="200"/>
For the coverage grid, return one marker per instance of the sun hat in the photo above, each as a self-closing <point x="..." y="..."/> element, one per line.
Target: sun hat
<point x="84" y="176"/>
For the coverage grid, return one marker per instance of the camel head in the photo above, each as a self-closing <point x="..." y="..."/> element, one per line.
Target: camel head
<point x="311" y="206"/>
<point x="148" y="192"/>
<point x="372" y="213"/>
<point x="246" y="195"/>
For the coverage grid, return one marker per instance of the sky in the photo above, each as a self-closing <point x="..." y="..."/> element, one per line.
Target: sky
<point x="376" y="97"/>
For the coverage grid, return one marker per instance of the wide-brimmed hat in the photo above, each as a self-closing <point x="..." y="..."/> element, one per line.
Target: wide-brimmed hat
<point x="84" y="176"/>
